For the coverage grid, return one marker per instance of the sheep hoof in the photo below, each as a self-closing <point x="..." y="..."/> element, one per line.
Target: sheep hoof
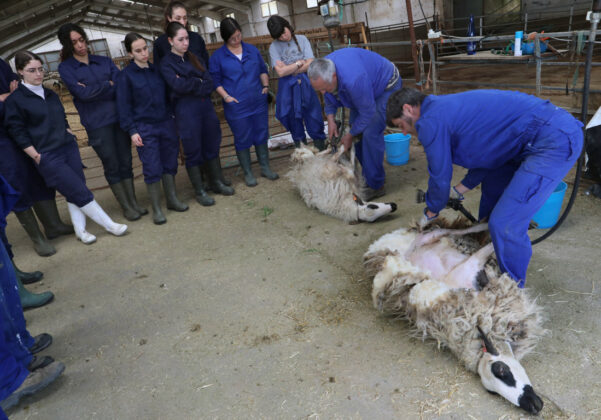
<point x="481" y="280"/>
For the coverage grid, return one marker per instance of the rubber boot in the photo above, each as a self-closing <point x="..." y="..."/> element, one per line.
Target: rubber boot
<point x="263" y="157"/>
<point x="48" y="214"/>
<point x="194" y="173"/>
<point x="30" y="224"/>
<point x="297" y="144"/>
<point x="79" y="224"/>
<point x="173" y="203"/>
<point x="154" y="192"/>
<point x="244" y="159"/>
<point x="32" y="300"/>
<point x="215" y="176"/>
<point x="26" y="277"/>
<point x="320" y="144"/>
<point x="128" y="211"/>
<point x="128" y="185"/>
<point x="97" y="214"/>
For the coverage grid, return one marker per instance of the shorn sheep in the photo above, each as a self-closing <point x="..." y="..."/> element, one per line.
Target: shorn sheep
<point x="449" y="287"/>
<point x="330" y="183"/>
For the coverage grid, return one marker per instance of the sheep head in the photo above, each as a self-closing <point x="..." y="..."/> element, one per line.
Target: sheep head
<point x="370" y="211"/>
<point x="501" y="373"/>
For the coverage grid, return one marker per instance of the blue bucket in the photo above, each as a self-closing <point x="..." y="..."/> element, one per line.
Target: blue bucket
<point x="397" y="148"/>
<point x="548" y="214"/>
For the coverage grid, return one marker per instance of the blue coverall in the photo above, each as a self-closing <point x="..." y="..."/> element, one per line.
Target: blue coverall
<point x="15" y="340"/>
<point x="363" y="77"/>
<point x="197" y="123"/>
<point x="42" y="123"/>
<point x="196" y="46"/>
<point x="15" y="166"/>
<point x="94" y="98"/>
<point x="143" y="109"/>
<point x="241" y="79"/>
<point x="517" y="146"/>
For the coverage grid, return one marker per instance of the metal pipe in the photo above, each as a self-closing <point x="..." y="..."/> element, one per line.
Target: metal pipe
<point x="512" y="85"/>
<point x="434" y="73"/>
<point x="413" y="44"/>
<point x="538" y="63"/>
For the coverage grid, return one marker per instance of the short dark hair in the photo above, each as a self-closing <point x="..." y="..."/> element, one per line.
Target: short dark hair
<point x="64" y="36"/>
<point x="227" y="27"/>
<point x="22" y="58"/>
<point x="394" y="107"/>
<point x="129" y="39"/>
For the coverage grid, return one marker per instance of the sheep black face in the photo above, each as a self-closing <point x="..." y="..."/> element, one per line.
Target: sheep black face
<point x="370" y="212"/>
<point x="504" y="375"/>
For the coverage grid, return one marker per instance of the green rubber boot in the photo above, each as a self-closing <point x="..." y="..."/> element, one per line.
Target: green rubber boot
<point x="128" y="185"/>
<point x="30" y="224"/>
<point x="244" y="159"/>
<point x="32" y="300"/>
<point x="129" y="212"/>
<point x="48" y="214"/>
<point x="196" y="179"/>
<point x="320" y="144"/>
<point x="263" y="157"/>
<point x="216" y="176"/>
<point x="154" y="192"/>
<point x="26" y="277"/>
<point x="173" y="202"/>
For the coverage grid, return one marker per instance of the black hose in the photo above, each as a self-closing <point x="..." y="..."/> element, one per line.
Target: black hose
<point x="583" y="118"/>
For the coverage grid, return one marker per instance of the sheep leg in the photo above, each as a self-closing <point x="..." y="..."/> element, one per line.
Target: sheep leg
<point x="467" y="274"/>
<point x="426" y="238"/>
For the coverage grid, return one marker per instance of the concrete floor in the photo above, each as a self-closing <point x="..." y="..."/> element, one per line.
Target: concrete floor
<point x="258" y="307"/>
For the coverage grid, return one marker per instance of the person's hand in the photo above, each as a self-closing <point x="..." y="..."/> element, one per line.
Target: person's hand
<point x="111" y="82"/>
<point x="137" y="140"/>
<point x="426" y="218"/>
<point x="279" y="64"/>
<point x="264" y="91"/>
<point x="13" y="85"/>
<point x="4" y="96"/>
<point x="81" y="84"/>
<point x="456" y="194"/>
<point x="229" y="99"/>
<point x="347" y="141"/>
<point x="332" y="127"/>
<point x="37" y="158"/>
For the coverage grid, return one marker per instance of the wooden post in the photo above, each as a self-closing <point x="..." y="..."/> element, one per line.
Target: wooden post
<point x="539" y="65"/>
<point x="434" y="73"/>
<point x="413" y="45"/>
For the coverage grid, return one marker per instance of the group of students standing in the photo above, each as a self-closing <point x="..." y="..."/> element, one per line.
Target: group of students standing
<point x="153" y="106"/>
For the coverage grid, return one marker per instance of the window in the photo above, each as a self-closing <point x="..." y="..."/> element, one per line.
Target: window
<point x="100" y="47"/>
<point x="269" y="8"/>
<point x="231" y="15"/>
<point x="50" y="60"/>
<point x="311" y="4"/>
<point x="216" y="23"/>
<point x="194" y="28"/>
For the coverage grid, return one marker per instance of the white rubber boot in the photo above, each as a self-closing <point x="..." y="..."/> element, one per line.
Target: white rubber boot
<point x="95" y="212"/>
<point x="78" y="219"/>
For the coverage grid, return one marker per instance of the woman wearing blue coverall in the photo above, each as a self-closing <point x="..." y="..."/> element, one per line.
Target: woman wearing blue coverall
<point x="190" y="88"/>
<point x="144" y="113"/>
<point x="36" y="121"/>
<point x="21" y="174"/>
<point x="91" y="80"/>
<point x="517" y="146"/>
<point x="296" y="102"/>
<point x="241" y="78"/>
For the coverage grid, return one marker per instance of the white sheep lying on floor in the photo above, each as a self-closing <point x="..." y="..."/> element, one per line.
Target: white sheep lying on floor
<point x="329" y="183"/>
<point x="449" y="287"/>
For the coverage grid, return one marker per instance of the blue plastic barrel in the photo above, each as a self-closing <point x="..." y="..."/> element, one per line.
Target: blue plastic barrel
<point x="397" y="148"/>
<point x="548" y="214"/>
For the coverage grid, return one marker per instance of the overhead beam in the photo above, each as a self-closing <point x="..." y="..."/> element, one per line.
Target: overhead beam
<point x="19" y="17"/>
<point x="152" y="11"/>
<point x="121" y="27"/>
<point x="229" y="4"/>
<point x="154" y="25"/>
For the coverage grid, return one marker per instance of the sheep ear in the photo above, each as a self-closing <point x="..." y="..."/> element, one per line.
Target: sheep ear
<point x="490" y="348"/>
<point x="357" y="199"/>
<point x="506" y="349"/>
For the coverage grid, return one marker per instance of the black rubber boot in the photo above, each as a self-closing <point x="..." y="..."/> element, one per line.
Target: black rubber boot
<point x="244" y="159"/>
<point x="215" y="177"/>
<point x="25" y="277"/>
<point x="204" y="170"/>
<point x="263" y="157"/>
<point x="154" y="192"/>
<point x="173" y="202"/>
<point x="48" y="214"/>
<point x="128" y="185"/>
<point x="30" y="224"/>
<point x="32" y="300"/>
<point x="297" y="144"/>
<point x="196" y="179"/>
<point x="319" y="144"/>
<point x="128" y="211"/>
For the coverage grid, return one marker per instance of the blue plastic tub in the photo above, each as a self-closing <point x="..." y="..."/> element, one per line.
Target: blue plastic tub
<point x="548" y="214"/>
<point x="397" y="148"/>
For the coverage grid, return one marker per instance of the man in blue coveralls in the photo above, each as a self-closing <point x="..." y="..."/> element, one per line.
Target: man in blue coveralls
<point x="362" y="81"/>
<point x="517" y="146"/>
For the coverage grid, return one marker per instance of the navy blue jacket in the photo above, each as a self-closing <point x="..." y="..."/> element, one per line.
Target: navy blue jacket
<point x="33" y="121"/>
<point x="479" y="130"/>
<point x="95" y="101"/>
<point x="184" y="79"/>
<point x="161" y="48"/>
<point x="141" y="97"/>
<point x="6" y="76"/>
